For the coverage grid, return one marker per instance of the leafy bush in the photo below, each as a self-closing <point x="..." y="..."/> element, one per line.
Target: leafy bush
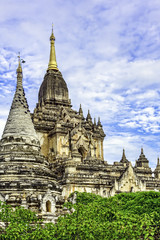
<point x="124" y="216"/>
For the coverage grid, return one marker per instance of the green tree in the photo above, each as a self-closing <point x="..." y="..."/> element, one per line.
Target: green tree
<point x="124" y="216"/>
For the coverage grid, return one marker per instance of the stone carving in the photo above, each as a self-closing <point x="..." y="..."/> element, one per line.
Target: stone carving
<point x="48" y="203"/>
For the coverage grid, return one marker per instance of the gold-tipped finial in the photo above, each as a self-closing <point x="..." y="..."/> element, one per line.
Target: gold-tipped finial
<point x="52" y="61"/>
<point x="52" y="34"/>
<point x="19" y="69"/>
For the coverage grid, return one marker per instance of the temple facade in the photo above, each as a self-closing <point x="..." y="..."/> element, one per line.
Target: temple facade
<point x="46" y="155"/>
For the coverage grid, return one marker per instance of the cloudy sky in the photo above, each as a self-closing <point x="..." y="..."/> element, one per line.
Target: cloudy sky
<point x="109" y="54"/>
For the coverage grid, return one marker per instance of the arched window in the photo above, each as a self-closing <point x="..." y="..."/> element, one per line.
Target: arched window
<point x="82" y="152"/>
<point x="132" y="190"/>
<point x="48" y="206"/>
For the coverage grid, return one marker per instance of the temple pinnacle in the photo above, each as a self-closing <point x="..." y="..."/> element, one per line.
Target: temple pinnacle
<point x="19" y="123"/>
<point x="80" y="110"/>
<point x="19" y="69"/>
<point x="19" y="73"/>
<point x="124" y="159"/>
<point x="141" y="151"/>
<point x="123" y="153"/>
<point x="52" y="61"/>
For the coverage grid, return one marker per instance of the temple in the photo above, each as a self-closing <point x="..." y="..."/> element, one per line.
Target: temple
<point x="46" y="155"/>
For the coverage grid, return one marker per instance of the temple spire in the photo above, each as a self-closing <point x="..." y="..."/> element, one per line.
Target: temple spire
<point x="19" y="123"/>
<point x="52" y="61"/>
<point x="123" y="155"/>
<point x="19" y="69"/>
<point x="142" y="151"/>
<point x="19" y="73"/>
<point x="124" y="159"/>
<point x="80" y="110"/>
<point x="88" y="118"/>
<point x="99" y="122"/>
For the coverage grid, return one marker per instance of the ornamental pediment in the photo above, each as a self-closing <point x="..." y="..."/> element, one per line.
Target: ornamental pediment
<point x="78" y="130"/>
<point x="128" y="182"/>
<point x="82" y="143"/>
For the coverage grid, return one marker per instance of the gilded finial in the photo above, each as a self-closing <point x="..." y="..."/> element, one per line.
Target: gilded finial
<point x="52" y="37"/>
<point x="52" y="61"/>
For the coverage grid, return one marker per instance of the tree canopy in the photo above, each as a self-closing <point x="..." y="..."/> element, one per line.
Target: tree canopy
<point x="124" y="216"/>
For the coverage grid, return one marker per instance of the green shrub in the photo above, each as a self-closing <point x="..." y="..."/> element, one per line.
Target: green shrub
<point x="124" y="216"/>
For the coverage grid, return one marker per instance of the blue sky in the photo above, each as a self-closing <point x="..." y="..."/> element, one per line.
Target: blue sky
<point x="109" y="54"/>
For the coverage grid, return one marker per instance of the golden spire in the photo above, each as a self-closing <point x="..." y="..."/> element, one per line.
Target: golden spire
<point x="52" y="61"/>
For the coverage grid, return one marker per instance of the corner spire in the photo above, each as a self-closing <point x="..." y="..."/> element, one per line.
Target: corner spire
<point x="142" y="150"/>
<point x="99" y="122"/>
<point x="123" y="155"/>
<point x="88" y="118"/>
<point x="52" y="61"/>
<point x="19" y="124"/>
<point x="124" y="159"/>
<point x="80" y="110"/>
